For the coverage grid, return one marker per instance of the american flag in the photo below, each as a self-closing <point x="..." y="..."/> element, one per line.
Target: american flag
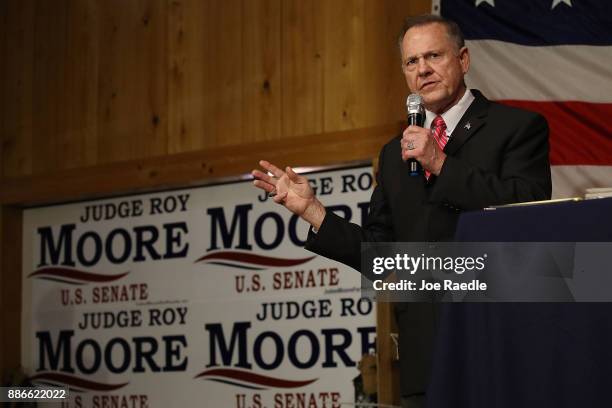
<point x="553" y="57"/>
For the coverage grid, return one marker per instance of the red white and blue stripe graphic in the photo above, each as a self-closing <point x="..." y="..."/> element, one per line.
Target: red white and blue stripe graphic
<point x="553" y="57"/>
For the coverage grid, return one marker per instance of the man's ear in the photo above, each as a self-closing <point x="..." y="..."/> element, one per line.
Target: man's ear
<point x="464" y="57"/>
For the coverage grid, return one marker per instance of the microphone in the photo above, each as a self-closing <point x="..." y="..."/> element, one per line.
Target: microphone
<point x="416" y="117"/>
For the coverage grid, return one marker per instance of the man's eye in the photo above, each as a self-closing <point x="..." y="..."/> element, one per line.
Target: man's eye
<point x="411" y="61"/>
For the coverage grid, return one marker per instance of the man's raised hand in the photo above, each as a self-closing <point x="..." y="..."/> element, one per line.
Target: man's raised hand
<point x="290" y="190"/>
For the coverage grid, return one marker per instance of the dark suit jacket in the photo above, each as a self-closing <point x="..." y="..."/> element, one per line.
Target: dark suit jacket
<point x="502" y="158"/>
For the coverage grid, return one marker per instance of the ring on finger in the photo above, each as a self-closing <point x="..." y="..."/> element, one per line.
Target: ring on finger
<point x="410" y="145"/>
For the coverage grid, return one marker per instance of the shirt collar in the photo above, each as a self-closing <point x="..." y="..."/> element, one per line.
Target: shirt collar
<point x="453" y="115"/>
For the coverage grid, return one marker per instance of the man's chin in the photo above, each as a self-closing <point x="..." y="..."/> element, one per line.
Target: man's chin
<point x="436" y="99"/>
<point x="432" y="100"/>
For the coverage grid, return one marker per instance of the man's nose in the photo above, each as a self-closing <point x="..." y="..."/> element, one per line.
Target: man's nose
<point x="423" y="67"/>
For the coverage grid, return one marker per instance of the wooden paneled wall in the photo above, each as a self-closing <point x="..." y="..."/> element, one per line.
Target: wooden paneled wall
<point x="3" y="350"/>
<point x="10" y="289"/>
<point x="88" y="82"/>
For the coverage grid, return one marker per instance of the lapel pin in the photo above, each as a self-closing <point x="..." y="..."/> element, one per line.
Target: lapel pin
<point x="468" y="126"/>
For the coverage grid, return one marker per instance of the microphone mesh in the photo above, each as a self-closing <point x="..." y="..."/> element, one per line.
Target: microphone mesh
<point x="414" y="100"/>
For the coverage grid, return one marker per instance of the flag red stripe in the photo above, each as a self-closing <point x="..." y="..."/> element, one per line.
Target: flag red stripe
<point x="580" y="132"/>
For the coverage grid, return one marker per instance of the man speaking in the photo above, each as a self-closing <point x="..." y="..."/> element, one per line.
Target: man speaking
<point x="473" y="153"/>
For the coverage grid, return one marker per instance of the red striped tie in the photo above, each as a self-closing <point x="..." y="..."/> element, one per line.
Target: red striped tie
<point x="438" y="127"/>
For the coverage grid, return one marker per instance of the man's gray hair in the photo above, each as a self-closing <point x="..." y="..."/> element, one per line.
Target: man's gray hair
<point x="452" y="28"/>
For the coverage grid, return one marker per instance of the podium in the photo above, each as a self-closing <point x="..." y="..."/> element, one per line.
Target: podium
<point x="526" y="354"/>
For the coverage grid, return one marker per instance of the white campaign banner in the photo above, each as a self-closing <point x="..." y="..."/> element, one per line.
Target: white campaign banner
<point x="197" y="297"/>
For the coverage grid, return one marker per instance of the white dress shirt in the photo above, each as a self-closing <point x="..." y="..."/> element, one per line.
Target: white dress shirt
<point x="453" y="115"/>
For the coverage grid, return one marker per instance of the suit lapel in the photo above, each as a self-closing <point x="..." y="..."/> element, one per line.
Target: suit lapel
<point x="471" y="122"/>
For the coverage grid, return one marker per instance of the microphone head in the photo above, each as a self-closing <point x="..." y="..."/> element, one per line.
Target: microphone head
<point x="414" y="103"/>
